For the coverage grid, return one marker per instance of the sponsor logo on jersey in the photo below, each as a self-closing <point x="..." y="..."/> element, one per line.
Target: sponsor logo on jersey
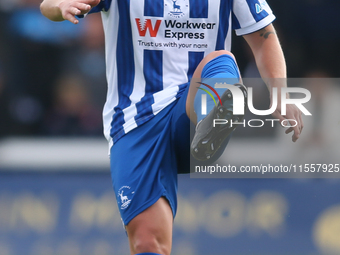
<point x="173" y="28"/>
<point x="147" y="25"/>
<point x="258" y="8"/>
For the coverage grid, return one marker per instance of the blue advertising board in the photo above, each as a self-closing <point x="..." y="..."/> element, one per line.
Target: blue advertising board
<point x="75" y="213"/>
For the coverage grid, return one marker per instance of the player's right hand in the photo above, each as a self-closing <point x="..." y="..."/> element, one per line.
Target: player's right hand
<point x="71" y="8"/>
<point x="294" y="117"/>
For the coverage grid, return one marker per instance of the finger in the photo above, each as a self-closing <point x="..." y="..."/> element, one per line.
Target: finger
<point x="280" y="117"/>
<point x="296" y="134"/>
<point x="301" y="123"/>
<point x="295" y="137"/>
<point x="294" y="126"/>
<point x="289" y="130"/>
<point x="70" y="17"/>
<point x="75" y="11"/>
<point x="297" y="117"/>
<point x="93" y="2"/>
<point x="82" y="7"/>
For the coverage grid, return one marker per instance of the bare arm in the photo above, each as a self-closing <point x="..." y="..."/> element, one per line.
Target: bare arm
<point x="59" y="10"/>
<point x="272" y="66"/>
<point x="268" y="53"/>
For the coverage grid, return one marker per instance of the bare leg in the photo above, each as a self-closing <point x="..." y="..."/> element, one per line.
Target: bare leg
<point x="151" y="230"/>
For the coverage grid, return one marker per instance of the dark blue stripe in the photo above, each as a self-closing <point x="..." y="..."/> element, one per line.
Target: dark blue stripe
<point x="225" y="7"/>
<point x="194" y="59"/>
<point x="125" y="65"/>
<point x="235" y="22"/>
<point x="125" y="59"/>
<point x="181" y="89"/>
<point x="117" y="129"/>
<point x="153" y="75"/>
<point x="199" y="9"/>
<point x="154" y="8"/>
<point x="153" y="71"/>
<point x="257" y="16"/>
<point x="144" y="110"/>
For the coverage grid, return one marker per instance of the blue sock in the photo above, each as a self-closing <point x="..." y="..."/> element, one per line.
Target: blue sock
<point x="148" y="253"/>
<point x="220" y="69"/>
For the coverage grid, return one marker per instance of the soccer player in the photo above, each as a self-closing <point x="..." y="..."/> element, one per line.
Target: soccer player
<point x="156" y="51"/>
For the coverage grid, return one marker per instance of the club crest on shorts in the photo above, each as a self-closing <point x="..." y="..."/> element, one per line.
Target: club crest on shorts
<point x="123" y="197"/>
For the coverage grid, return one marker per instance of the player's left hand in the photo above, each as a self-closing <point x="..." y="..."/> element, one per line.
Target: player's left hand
<point x="71" y="8"/>
<point x="292" y="113"/>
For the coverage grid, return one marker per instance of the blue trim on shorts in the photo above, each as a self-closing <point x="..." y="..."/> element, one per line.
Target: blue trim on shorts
<point x="222" y="64"/>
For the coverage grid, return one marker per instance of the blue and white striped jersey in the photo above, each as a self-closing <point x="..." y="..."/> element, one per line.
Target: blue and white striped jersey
<point x="154" y="46"/>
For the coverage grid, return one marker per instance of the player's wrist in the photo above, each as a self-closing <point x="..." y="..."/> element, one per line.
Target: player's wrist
<point x="51" y="10"/>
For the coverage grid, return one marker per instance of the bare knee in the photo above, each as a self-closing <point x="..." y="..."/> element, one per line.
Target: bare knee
<point x="217" y="53"/>
<point x="150" y="244"/>
<point x="209" y="57"/>
<point x="151" y="230"/>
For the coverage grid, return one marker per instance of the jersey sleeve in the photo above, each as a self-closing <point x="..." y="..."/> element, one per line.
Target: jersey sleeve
<point x="104" y="5"/>
<point x="251" y="15"/>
